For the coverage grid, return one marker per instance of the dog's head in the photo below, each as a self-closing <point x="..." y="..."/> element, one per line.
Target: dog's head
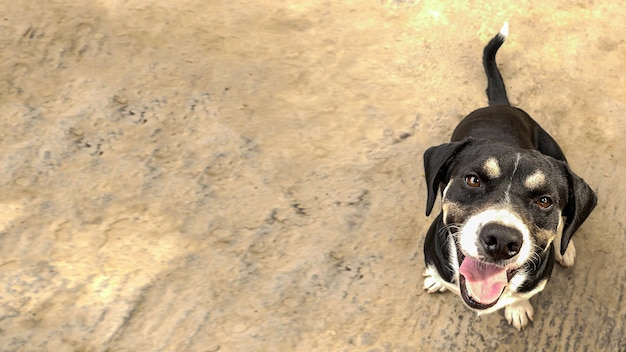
<point x="504" y="206"/>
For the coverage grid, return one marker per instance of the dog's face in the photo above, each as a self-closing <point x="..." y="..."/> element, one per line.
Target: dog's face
<point x="503" y="207"/>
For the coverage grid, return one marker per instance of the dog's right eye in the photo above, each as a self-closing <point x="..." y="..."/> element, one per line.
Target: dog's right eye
<point x="472" y="180"/>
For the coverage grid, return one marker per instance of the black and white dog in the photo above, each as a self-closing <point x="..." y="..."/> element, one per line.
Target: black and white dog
<point x="508" y="199"/>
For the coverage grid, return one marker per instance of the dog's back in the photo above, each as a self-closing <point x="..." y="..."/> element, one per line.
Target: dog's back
<point x="500" y="121"/>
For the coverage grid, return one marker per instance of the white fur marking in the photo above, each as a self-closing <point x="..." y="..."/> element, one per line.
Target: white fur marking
<point x="445" y="190"/>
<point x="507" y="194"/>
<point x="518" y="157"/>
<point x="505" y="29"/>
<point x="444" y="208"/>
<point x="468" y="233"/>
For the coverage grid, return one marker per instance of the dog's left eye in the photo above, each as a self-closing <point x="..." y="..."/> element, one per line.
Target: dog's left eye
<point x="544" y="202"/>
<point x="472" y="180"/>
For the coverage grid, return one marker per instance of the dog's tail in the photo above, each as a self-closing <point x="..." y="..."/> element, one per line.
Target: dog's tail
<point x="496" y="92"/>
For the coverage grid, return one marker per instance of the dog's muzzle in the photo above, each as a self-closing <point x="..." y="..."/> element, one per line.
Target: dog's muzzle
<point x="482" y="281"/>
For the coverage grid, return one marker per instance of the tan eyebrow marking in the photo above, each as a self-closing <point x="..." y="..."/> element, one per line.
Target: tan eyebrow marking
<point x="536" y="180"/>
<point x="492" y="168"/>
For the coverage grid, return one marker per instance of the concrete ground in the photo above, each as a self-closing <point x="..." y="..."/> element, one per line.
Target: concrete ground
<point x="247" y="175"/>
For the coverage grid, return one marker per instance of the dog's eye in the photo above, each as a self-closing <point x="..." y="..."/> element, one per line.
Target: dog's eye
<point x="544" y="202"/>
<point x="472" y="180"/>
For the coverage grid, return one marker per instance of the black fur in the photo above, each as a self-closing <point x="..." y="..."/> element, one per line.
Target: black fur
<point x="503" y="131"/>
<point x="496" y="92"/>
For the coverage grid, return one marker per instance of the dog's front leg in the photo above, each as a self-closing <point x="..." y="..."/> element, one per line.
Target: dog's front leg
<point x="566" y="260"/>
<point x="519" y="313"/>
<point x="433" y="282"/>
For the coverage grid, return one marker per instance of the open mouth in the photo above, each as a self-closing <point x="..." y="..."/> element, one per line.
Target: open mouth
<point x="482" y="283"/>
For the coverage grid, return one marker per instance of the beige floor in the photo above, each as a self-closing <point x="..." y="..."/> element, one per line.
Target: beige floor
<point x="246" y="175"/>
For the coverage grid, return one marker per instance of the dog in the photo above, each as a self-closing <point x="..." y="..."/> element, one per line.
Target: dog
<point x="508" y="199"/>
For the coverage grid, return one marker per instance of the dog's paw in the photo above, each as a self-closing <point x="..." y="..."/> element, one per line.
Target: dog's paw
<point x="567" y="260"/>
<point x="519" y="314"/>
<point x="433" y="284"/>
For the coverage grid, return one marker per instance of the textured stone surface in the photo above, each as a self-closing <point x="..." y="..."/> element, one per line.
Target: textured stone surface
<point x="246" y="175"/>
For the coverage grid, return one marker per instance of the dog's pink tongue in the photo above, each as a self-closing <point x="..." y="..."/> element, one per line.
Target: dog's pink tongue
<point x="484" y="281"/>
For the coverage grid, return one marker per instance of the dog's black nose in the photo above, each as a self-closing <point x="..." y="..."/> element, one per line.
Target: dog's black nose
<point x="500" y="242"/>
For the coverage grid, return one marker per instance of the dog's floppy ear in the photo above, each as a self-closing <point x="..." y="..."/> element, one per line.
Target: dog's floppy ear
<point x="437" y="161"/>
<point x="581" y="201"/>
